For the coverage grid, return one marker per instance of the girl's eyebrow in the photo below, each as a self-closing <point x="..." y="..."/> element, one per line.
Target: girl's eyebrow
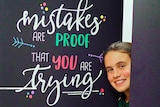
<point x="121" y="62"/>
<point x="108" y="67"/>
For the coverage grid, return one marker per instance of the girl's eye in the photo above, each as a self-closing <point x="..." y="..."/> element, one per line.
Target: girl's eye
<point x="109" y="69"/>
<point x="122" y="65"/>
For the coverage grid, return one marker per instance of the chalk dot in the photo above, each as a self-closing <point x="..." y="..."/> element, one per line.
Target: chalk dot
<point x="102" y="90"/>
<point x="26" y="96"/>
<point x="43" y="12"/>
<point x="46" y="9"/>
<point x="44" y="4"/>
<point x="42" y="8"/>
<point x="101" y="16"/>
<point x="100" y="93"/>
<point x="30" y="96"/>
<point x="32" y="92"/>
<point x="28" y="93"/>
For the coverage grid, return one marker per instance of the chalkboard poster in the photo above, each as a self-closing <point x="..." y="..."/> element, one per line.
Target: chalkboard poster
<point x="51" y="52"/>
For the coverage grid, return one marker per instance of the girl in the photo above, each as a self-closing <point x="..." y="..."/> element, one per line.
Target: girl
<point x="117" y="61"/>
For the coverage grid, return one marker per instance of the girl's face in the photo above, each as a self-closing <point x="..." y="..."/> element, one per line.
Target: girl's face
<point x="118" y="67"/>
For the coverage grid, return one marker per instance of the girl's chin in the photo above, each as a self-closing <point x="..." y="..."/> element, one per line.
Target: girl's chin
<point x="121" y="89"/>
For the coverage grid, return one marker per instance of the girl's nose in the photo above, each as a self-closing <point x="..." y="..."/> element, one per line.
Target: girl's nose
<point x="116" y="73"/>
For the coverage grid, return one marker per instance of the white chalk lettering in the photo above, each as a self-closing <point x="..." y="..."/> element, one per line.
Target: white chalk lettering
<point x="85" y="66"/>
<point x="38" y="36"/>
<point x="40" y="56"/>
<point x="55" y="85"/>
<point x="82" y="20"/>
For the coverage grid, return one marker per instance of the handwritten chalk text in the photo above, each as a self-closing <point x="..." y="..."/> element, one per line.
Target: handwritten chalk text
<point x="85" y="66"/>
<point x="66" y="62"/>
<point x="54" y="85"/>
<point x="77" y="18"/>
<point x="40" y="56"/>
<point x="38" y="36"/>
<point x="72" y="40"/>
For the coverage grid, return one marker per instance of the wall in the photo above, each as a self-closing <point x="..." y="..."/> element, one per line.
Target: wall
<point x="146" y="54"/>
<point x="127" y="20"/>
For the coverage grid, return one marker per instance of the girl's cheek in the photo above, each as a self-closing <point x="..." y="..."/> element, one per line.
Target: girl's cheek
<point x="127" y="73"/>
<point x="110" y="78"/>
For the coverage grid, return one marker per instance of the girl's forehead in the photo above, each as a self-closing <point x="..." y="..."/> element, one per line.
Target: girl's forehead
<point x="114" y="57"/>
<point x="116" y="53"/>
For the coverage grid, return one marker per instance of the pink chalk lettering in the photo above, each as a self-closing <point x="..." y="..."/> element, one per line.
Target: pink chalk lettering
<point x="65" y="62"/>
